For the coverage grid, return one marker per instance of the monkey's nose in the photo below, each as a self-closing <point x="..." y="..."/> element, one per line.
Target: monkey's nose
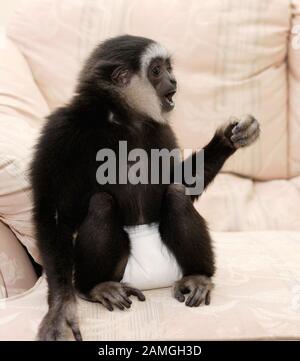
<point x="173" y="82"/>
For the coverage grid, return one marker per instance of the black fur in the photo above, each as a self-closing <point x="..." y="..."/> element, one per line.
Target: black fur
<point x="68" y="199"/>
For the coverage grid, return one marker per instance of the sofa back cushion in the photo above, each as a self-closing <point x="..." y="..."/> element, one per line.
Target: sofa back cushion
<point x="229" y="55"/>
<point x="294" y="91"/>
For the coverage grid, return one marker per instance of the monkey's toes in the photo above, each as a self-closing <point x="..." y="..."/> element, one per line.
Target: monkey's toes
<point x="57" y="323"/>
<point x="199" y="289"/>
<point x="198" y="296"/>
<point x="131" y="291"/>
<point x="115" y="294"/>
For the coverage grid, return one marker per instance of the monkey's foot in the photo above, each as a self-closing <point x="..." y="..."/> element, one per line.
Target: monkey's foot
<point x="242" y="131"/>
<point x="199" y="289"/>
<point x="60" y="319"/>
<point x="114" y="294"/>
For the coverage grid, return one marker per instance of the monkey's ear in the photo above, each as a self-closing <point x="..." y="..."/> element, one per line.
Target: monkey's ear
<point x="121" y="76"/>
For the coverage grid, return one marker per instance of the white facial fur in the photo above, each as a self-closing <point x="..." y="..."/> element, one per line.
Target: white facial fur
<point x="140" y="94"/>
<point x="152" y="51"/>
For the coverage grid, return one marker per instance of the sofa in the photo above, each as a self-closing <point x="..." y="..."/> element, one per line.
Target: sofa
<point x="231" y="57"/>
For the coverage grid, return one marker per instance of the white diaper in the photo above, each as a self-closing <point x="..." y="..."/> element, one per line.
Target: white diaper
<point x="150" y="264"/>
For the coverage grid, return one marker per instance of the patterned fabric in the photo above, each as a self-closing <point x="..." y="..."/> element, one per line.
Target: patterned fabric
<point x="234" y="203"/>
<point x="257" y="296"/>
<point x="254" y="80"/>
<point x="16" y="272"/>
<point x="22" y="109"/>
<point x="231" y="57"/>
<point x="294" y="90"/>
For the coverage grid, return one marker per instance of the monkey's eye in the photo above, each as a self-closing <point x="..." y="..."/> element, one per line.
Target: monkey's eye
<point x="156" y="70"/>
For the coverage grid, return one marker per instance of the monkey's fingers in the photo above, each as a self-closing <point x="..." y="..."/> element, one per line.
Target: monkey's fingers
<point x="75" y="329"/>
<point x="123" y="301"/>
<point x="126" y="300"/>
<point x="115" y="299"/>
<point x="106" y="303"/>
<point x="204" y="297"/>
<point x="198" y="296"/>
<point x="244" y="122"/>
<point x="193" y="297"/>
<point x="177" y="292"/>
<point x="228" y="128"/>
<point x="245" y="133"/>
<point x="243" y="142"/>
<point x="119" y="306"/>
<point x="208" y="297"/>
<point x="246" y="136"/>
<point x="135" y="292"/>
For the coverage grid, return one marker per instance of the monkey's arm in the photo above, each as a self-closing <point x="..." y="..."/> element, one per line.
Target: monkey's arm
<point x="227" y="139"/>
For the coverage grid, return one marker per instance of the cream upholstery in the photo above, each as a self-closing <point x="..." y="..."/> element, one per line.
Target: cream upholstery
<point x="22" y="109"/>
<point x="257" y="296"/>
<point x="231" y="57"/>
<point x="16" y="271"/>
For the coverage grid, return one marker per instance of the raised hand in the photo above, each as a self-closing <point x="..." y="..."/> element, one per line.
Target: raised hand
<point x="242" y="131"/>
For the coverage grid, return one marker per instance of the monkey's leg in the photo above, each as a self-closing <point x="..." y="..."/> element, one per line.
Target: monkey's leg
<point x="55" y="245"/>
<point x="101" y="254"/>
<point x="184" y="232"/>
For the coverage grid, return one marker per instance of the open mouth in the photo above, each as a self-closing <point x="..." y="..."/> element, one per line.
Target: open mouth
<point x="168" y="101"/>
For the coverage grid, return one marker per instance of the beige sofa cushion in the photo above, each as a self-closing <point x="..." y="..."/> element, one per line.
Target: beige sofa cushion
<point x="230" y="59"/>
<point x="16" y="271"/>
<point x="55" y="42"/>
<point x="22" y="109"/>
<point x="257" y="296"/>
<point x="234" y="203"/>
<point x="294" y="91"/>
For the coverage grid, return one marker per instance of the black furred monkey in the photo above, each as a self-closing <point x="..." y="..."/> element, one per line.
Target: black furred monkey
<point x="125" y="92"/>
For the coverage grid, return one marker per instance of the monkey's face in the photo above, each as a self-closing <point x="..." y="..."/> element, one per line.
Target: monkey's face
<point x="160" y="74"/>
<point x="139" y="71"/>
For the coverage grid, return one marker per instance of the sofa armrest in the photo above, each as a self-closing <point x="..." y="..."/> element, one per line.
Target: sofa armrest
<point x="294" y="91"/>
<point x="16" y="271"/>
<point x="22" y="109"/>
<point x="19" y="94"/>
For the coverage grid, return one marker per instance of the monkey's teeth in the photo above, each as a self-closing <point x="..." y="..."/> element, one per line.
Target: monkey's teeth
<point x="169" y="100"/>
